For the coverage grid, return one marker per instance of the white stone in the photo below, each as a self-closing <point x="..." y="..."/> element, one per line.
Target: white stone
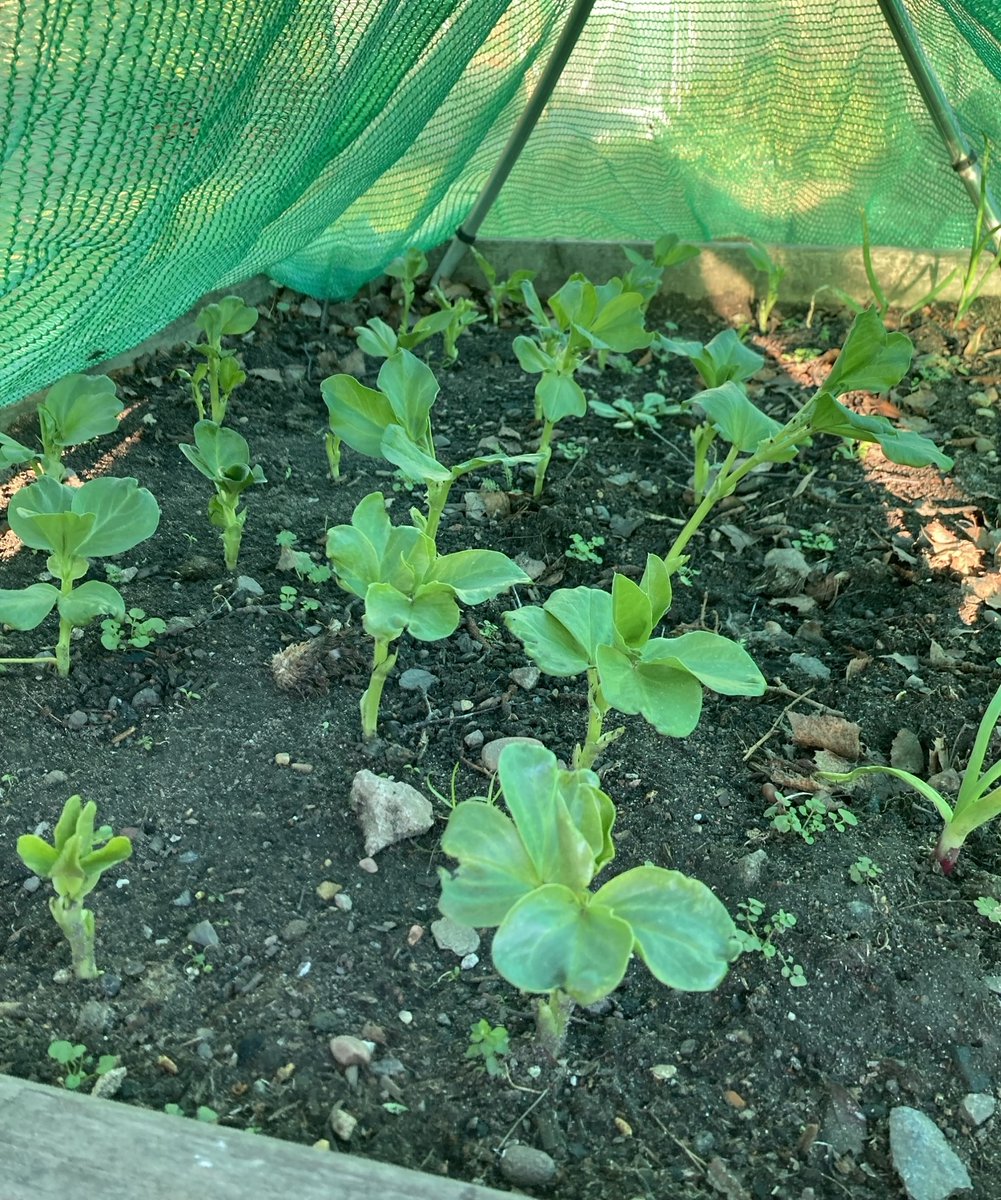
<point x="388" y="811"/>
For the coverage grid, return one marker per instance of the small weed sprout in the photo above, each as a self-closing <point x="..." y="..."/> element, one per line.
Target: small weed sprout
<point x="809" y="819"/>
<point x="864" y="870"/>
<point x="135" y="629"/>
<point x="585" y="550"/>
<point x="760" y="938"/>
<point x="78" y="1061"/>
<point x="990" y="908"/>
<point x="763" y="262"/>
<point x="504" y="293"/>
<point x="488" y="1044"/>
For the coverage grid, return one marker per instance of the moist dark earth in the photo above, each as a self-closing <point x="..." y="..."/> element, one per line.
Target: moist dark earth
<point x="756" y="1089"/>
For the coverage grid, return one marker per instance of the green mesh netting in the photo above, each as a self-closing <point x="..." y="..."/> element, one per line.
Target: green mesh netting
<point x="152" y="150"/>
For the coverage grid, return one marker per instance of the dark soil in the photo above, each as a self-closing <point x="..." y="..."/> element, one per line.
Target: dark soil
<point x="757" y="1089"/>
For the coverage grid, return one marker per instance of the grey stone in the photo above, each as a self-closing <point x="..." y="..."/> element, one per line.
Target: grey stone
<point x="971" y="1069"/>
<point x="147" y="697"/>
<point x="416" y="679"/>
<point x="525" y="677"/>
<point x="184" y="900"/>
<point x="348" y="1051"/>
<point x="77" y="719"/>
<point x="977" y="1107"/>
<point x="785" y="572"/>
<point x="491" y="752"/>
<point x="524" y="1166"/>
<point x="844" y="1124"/>
<point x="111" y="985"/>
<point x="295" y="930"/>
<point x="325" y="1020"/>
<point x="54" y="778"/>
<point x="473" y="740"/>
<point x="860" y="915"/>
<point x="450" y="935"/>
<point x="388" y="1067"/>
<point x="31" y="884"/>
<point x="94" y="1018"/>
<point x="248" y="585"/>
<point x="751" y="866"/>
<point x="810" y="666"/>
<point x="388" y="812"/>
<point x="203" y="934"/>
<point x="928" y="1167"/>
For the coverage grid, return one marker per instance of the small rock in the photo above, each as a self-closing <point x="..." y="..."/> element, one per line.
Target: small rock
<point x="325" y="1020"/>
<point x="469" y="961"/>
<point x="525" y="677"/>
<point x="624" y="526"/>
<point x="343" y="902"/>
<point x="368" y="865"/>
<point x="750" y="867"/>
<point x="977" y="1107"/>
<point x="31" y="884"/>
<point x="147" y="697"/>
<point x="184" y="900"/>
<point x="248" y="586"/>
<point x="860" y="915"/>
<point x="406" y="1016"/>
<point x="387" y="1067"/>
<point x="450" y="935"/>
<point x="108" y="1084"/>
<point x="416" y="679"/>
<point x="203" y="934"/>
<point x="282" y="759"/>
<point x="295" y="930"/>
<point x="810" y="666"/>
<point x="301" y="768"/>
<point x="348" y="1051"/>
<point x="473" y="740"/>
<point x="971" y="1069"/>
<point x="77" y="719"/>
<point x="491" y="752"/>
<point x="926" y="1164"/>
<point x="388" y="811"/>
<point x="111" y="985"/>
<point x="524" y="1166"/>
<point x="534" y="568"/>
<point x="343" y="1124"/>
<point x="785" y="572"/>
<point x="93" y="1019"/>
<point x="327" y="890"/>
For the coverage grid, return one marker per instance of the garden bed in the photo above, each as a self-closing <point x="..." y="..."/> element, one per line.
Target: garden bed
<point x="756" y="1088"/>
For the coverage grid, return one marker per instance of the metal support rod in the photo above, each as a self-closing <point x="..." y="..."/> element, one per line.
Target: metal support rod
<point x="961" y="155"/>
<point x="465" y="235"/>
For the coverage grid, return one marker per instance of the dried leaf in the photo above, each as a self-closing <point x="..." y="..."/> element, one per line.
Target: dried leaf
<point x="267" y="373"/>
<point x="906" y="753"/>
<point x="826" y="733"/>
<point x="857" y="665"/>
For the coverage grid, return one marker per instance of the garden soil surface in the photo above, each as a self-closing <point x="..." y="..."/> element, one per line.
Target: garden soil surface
<point x="756" y="1089"/>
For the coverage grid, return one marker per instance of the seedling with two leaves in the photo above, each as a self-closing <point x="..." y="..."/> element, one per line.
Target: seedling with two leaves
<point x="77" y="1060"/>
<point x="407" y="586"/>
<point x="75" y="410"/>
<point x="501" y="293"/>
<point x="393" y="422"/>
<point x="609" y="638"/>
<point x="103" y="517"/>
<point x="587" y="321"/>
<point x="529" y="874"/>
<point x="229" y="318"/>
<point x="646" y="274"/>
<point x="977" y="802"/>
<point x="74" y="862"/>
<point x="453" y="317"/>
<point x="223" y="457"/>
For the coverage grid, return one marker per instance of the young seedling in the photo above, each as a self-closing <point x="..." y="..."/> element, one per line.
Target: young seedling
<point x="761" y="939"/>
<point x="587" y="321"/>
<point x="223" y="457"/>
<point x="763" y="262"/>
<point x="407" y="268"/>
<point x="808" y="819"/>
<point x="488" y="1044"/>
<point x="529" y="874"/>
<point x="76" y="410"/>
<point x="229" y="318"/>
<point x="990" y="908"/>
<point x="637" y="419"/>
<point x="134" y="629"/>
<point x="408" y="586"/>
<point x="501" y="294"/>
<point x="103" y="517"/>
<point x="645" y="275"/>
<point x="74" y="862"/>
<point x="300" y="561"/>
<point x="864" y="870"/>
<point x="378" y="340"/>
<point x="585" y="550"/>
<point x="75" y="1057"/>
<point x="609" y="638"/>
<point x="977" y="802"/>
<point x="393" y="423"/>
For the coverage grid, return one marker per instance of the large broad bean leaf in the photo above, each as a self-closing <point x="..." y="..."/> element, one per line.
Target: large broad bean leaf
<point x="560" y="396"/>
<point x="217" y="451"/>
<point x="91" y="600"/>
<point x="735" y="418"/>
<point x="373" y="550"/>
<point x="13" y="453"/>
<point x="402" y="451"/>
<point x="531" y="357"/>
<point x="562" y="637"/>
<point x="477" y="575"/>
<point x="532" y="784"/>
<point x="552" y="938"/>
<point x="429" y="614"/>
<point x="411" y="389"/>
<point x="871" y="360"/>
<point x="667" y="696"/>
<point x="681" y="930"/>
<point x="124" y="514"/>
<point x="78" y="408"/>
<point x="27" y="608"/>
<point x="358" y="414"/>
<point x="618" y="325"/>
<point x="899" y="445"/>
<point x="631" y="612"/>
<point x="716" y="661"/>
<point x="725" y="357"/>
<point x="495" y="869"/>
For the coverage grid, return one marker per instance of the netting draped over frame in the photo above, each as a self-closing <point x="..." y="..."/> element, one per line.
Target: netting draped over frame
<point x="152" y="150"/>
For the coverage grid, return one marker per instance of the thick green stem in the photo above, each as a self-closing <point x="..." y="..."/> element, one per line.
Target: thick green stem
<point x="595" y="742"/>
<point x="437" y="499"/>
<point x="44" y="658"/>
<point x="552" y="1016"/>
<point x="232" y="538"/>
<point x="382" y="663"/>
<point x="77" y="924"/>
<point x="65" y="631"/>
<point x="216" y="404"/>
<point x="545" y="455"/>
<point x="333" y="443"/>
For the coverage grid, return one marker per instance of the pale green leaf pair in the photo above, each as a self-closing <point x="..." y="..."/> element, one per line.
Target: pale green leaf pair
<point x="529" y="875"/>
<point x="75" y="410"/>
<point x="723" y="358"/>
